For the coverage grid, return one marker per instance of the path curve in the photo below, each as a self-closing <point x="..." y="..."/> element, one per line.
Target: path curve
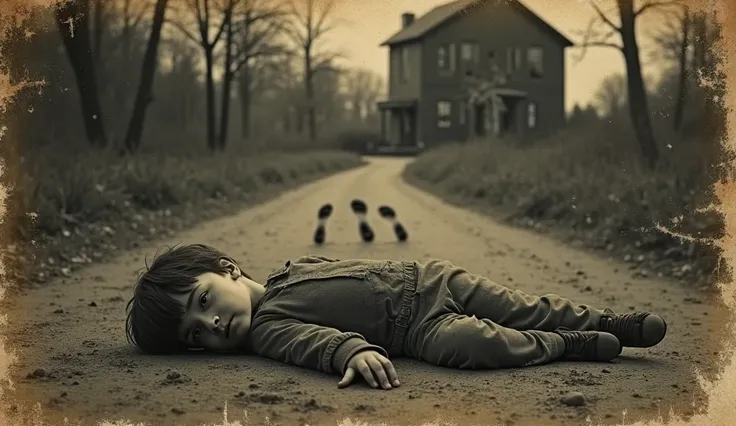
<point x="92" y="374"/>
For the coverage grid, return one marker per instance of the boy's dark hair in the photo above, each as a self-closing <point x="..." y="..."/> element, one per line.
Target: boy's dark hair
<point x="154" y="316"/>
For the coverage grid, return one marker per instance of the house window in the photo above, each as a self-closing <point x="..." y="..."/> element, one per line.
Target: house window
<point x="534" y="55"/>
<point x="469" y="56"/>
<point x="513" y="59"/>
<point x="446" y="59"/>
<point x="405" y="64"/>
<point x="444" y="112"/>
<point x="532" y="115"/>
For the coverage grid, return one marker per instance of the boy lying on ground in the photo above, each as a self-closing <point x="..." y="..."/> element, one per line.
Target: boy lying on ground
<point x="350" y="316"/>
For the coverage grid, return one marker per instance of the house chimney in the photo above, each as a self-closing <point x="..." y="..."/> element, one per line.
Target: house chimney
<point x="406" y="19"/>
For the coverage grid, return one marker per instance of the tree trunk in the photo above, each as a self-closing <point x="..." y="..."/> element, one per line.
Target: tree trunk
<point x="225" y="112"/>
<point x="638" y="105"/>
<point x="357" y="106"/>
<point x="309" y="90"/>
<point x="124" y="85"/>
<point x="244" y="87"/>
<point x="148" y="72"/>
<point x="682" y="78"/>
<point x="210" y="95"/>
<point x="97" y="47"/>
<point x="226" y="85"/>
<point x="76" y="39"/>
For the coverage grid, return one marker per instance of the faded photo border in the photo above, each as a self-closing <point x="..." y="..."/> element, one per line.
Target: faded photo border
<point x="721" y="409"/>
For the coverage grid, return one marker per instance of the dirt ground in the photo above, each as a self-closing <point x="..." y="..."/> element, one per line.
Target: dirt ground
<point x="72" y="355"/>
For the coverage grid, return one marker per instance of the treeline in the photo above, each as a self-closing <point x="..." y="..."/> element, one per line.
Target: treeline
<point x="185" y="75"/>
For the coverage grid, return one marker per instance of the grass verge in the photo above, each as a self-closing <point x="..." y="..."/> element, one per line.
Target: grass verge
<point x="76" y="209"/>
<point x="589" y="193"/>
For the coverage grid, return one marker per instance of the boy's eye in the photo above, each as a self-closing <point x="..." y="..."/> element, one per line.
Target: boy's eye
<point x="203" y="299"/>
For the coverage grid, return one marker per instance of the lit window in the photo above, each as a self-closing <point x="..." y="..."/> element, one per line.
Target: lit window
<point x="513" y="59"/>
<point x="534" y="55"/>
<point x="446" y="60"/>
<point x="444" y="112"/>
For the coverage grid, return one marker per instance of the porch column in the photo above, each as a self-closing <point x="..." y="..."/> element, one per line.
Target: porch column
<point x="407" y="126"/>
<point x="400" y="135"/>
<point x="382" y="116"/>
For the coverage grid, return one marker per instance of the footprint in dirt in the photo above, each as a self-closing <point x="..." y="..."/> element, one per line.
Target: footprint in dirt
<point x="361" y="210"/>
<point x="323" y="214"/>
<point x="389" y="214"/>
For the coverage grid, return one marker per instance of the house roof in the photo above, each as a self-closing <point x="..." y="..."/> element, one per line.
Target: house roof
<point x="443" y="13"/>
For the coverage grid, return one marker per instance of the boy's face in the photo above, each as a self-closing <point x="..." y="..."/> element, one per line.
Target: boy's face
<point x="217" y="311"/>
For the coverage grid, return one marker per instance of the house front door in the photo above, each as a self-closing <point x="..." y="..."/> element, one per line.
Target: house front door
<point x="479" y="113"/>
<point x="509" y="116"/>
<point x="409" y="127"/>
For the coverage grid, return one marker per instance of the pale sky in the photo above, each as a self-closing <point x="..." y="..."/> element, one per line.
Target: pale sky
<point x="365" y="24"/>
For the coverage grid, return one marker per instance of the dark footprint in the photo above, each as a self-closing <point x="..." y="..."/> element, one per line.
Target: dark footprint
<point x="389" y="214"/>
<point x="322" y="215"/>
<point x="360" y="209"/>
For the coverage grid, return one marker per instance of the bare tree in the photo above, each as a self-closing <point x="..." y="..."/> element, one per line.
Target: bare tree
<point x="148" y="71"/>
<point x="99" y="22"/>
<point x="308" y="26"/>
<point x="72" y="19"/>
<point x="277" y="80"/>
<point x="131" y="13"/>
<point x="250" y="37"/>
<point x="227" y="74"/>
<point x="363" y="88"/>
<point x="611" y="95"/>
<point x="255" y="44"/>
<point x="626" y="33"/>
<point x="673" y="46"/>
<point x="202" y="10"/>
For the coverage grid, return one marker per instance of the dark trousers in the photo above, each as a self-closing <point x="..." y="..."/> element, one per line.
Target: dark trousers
<point x="464" y="320"/>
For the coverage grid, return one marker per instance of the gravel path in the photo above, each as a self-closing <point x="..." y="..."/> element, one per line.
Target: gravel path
<point x="73" y="357"/>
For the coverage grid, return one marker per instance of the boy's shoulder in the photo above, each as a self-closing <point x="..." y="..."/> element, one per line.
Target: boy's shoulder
<point x="313" y="266"/>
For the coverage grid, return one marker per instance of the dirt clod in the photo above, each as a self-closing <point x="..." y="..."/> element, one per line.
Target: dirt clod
<point x="573" y="399"/>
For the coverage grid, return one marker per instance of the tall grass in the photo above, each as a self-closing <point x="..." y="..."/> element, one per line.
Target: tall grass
<point x="590" y="182"/>
<point x="88" y="186"/>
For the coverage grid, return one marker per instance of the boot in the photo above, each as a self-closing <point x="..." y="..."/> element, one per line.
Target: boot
<point x="589" y="345"/>
<point x="637" y="329"/>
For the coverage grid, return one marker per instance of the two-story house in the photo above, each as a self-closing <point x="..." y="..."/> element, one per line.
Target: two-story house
<point x="470" y="69"/>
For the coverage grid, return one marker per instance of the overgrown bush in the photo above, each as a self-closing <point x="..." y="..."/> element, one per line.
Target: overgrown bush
<point x="357" y="140"/>
<point x="86" y="187"/>
<point x="589" y="182"/>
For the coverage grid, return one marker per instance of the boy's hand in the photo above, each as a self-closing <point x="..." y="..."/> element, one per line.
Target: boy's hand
<point x="371" y="365"/>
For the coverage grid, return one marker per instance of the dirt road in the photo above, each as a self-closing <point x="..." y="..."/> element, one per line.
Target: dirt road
<point x="71" y="334"/>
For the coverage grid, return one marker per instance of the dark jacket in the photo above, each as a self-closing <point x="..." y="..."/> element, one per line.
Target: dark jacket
<point x="318" y="312"/>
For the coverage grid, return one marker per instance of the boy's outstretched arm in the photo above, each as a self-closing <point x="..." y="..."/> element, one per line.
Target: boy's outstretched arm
<point x="313" y="346"/>
<point x="374" y="368"/>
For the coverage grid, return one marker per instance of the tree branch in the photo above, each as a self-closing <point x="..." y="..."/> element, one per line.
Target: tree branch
<point x="227" y="17"/>
<point x="604" y="18"/>
<point x="188" y="34"/>
<point x="319" y="30"/>
<point x="202" y="21"/>
<point x="325" y="63"/>
<point x="137" y="18"/>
